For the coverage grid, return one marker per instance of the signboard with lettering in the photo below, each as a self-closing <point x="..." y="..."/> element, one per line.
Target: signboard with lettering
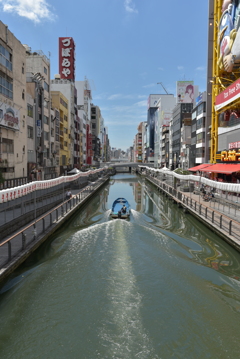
<point x="9" y="117"/>
<point x="227" y="96"/>
<point x="67" y="58"/>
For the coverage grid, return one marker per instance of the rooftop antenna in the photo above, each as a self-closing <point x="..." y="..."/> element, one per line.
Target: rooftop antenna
<point x="160" y="83"/>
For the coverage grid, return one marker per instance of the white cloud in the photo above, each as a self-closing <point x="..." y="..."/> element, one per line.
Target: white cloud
<point x="161" y="69"/>
<point x="200" y="68"/>
<point x="180" y="67"/>
<point x="115" y="97"/>
<point x="35" y="10"/>
<point x="150" y="85"/>
<point x="130" y="6"/>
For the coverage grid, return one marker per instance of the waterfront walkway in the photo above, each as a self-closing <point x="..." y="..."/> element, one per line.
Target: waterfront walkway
<point x="223" y="217"/>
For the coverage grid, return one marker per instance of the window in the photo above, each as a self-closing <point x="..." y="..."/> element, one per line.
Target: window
<point x="45" y="70"/>
<point x="201" y="137"/>
<point x="30" y="131"/>
<point x="46" y="120"/>
<point x="201" y="123"/>
<point x="46" y="87"/>
<point x="29" y="110"/>
<point x="23" y="95"/>
<point x="7" y="145"/>
<point x="23" y="70"/>
<point x="46" y="136"/>
<point x="6" y="85"/>
<point x="5" y="58"/>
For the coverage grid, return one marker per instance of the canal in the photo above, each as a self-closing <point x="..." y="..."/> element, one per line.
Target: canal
<point x="161" y="285"/>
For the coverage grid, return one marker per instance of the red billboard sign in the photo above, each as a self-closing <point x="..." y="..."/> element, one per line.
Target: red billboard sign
<point x="227" y="96"/>
<point x="67" y="58"/>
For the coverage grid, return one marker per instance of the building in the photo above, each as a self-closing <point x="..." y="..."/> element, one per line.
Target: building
<point x="95" y="130"/>
<point x="38" y="87"/>
<point x="13" y="124"/>
<point x="165" y="106"/>
<point x="199" y="137"/>
<point x="181" y="112"/>
<point x="60" y="103"/>
<point x="67" y="89"/>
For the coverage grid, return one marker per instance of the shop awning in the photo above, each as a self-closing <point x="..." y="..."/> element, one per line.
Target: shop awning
<point x="223" y="168"/>
<point x="199" y="167"/>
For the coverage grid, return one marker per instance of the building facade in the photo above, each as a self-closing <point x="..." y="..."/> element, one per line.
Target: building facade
<point x="13" y="114"/>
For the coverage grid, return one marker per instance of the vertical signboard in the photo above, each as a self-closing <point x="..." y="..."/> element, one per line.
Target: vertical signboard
<point x="67" y="58"/>
<point x="185" y="91"/>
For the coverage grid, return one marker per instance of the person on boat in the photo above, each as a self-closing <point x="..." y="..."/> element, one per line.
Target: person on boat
<point x="124" y="209"/>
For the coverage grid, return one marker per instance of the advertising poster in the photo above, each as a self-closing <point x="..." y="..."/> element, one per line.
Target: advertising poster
<point x="185" y="91"/>
<point x="9" y="117"/>
<point x="166" y="116"/>
<point x="229" y="35"/>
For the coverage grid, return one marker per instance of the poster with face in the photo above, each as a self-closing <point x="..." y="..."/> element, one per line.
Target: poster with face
<point x="229" y="35"/>
<point x="185" y="91"/>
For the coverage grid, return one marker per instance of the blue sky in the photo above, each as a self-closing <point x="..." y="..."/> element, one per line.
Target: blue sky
<point x="124" y="47"/>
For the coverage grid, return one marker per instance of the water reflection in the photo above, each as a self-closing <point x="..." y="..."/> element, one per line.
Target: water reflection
<point x="161" y="285"/>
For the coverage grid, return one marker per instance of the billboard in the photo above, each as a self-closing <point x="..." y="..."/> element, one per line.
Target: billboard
<point x="229" y="36"/>
<point x="166" y="118"/>
<point x="185" y="91"/>
<point x="67" y="58"/>
<point x="9" y="117"/>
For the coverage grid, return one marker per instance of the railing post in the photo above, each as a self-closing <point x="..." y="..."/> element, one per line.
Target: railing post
<point x="195" y="206"/>
<point x="9" y="250"/>
<point x="34" y="231"/>
<point x="220" y="221"/>
<point x="206" y="212"/>
<point x="200" y="208"/>
<point x="43" y="224"/>
<point x="24" y="237"/>
<point x="62" y="210"/>
<point x="57" y="215"/>
<point x="51" y="219"/>
<point x="212" y="216"/>
<point x="230" y="227"/>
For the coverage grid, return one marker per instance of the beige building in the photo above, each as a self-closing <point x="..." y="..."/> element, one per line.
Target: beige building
<point x="13" y="127"/>
<point x="59" y="101"/>
<point x="38" y="86"/>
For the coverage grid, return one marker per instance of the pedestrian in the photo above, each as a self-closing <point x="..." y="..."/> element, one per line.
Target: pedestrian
<point x="68" y="195"/>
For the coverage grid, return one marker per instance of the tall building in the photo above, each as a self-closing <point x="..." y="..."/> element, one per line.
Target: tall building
<point x="38" y="87"/>
<point x="13" y="126"/>
<point x="60" y="102"/>
<point x="67" y="89"/>
<point x="165" y="105"/>
<point x="84" y="98"/>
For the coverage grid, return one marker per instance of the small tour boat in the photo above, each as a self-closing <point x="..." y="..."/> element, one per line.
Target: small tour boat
<point x="120" y="209"/>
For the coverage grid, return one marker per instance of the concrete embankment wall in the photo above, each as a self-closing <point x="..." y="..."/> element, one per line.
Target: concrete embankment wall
<point x="41" y="238"/>
<point x="220" y="223"/>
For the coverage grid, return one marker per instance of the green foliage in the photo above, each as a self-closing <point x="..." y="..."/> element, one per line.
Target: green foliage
<point x="180" y="171"/>
<point x="2" y="179"/>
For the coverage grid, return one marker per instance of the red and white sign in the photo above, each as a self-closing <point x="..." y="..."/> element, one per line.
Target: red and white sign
<point x="67" y="58"/>
<point x="234" y="145"/>
<point x="227" y="96"/>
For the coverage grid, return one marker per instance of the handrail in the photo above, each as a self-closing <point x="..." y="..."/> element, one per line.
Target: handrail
<point x="42" y="217"/>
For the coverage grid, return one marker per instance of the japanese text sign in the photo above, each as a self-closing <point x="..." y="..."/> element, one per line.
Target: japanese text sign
<point x="67" y="58"/>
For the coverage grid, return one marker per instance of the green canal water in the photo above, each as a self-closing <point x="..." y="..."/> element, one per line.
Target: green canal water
<point x="158" y="286"/>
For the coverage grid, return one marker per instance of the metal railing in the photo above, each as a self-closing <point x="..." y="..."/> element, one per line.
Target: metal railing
<point x="227" y="225"/>
<point x="14" y="245"/>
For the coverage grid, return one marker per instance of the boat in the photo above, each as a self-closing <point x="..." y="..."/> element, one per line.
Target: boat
<point x="120" y="209"/>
